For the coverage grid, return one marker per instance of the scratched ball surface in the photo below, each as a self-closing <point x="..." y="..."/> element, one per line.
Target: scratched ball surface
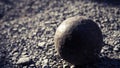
<point x="78" y="40"/>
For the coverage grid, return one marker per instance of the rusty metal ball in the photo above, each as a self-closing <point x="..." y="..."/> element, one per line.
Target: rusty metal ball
<point x="78" y="40"/>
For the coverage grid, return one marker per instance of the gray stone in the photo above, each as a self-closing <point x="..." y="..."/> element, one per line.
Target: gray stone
<point x="78" y="40"/>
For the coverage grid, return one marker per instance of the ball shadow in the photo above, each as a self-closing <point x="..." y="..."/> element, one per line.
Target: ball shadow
<point x="113" y="63"/>
<point x="103" y="62"/>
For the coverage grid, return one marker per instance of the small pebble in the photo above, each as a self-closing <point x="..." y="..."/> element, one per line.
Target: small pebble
<point x="24" y="61"/>
<point x="116" y="49"/>
<point x="66" y="66"/>
<point x="41" y="44"/>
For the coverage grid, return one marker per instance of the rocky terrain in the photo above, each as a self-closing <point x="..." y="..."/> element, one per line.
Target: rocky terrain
<point x="27" y="29"/>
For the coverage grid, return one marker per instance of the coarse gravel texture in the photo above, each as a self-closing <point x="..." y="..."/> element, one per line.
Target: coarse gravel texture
<point x="27" y="29"/>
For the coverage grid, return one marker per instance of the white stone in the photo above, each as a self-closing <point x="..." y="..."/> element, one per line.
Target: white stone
<point x="23" y="60"/>
<point x="41" y="44"/>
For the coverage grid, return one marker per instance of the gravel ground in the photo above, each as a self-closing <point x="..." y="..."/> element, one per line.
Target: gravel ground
<point x="27" y="29"/>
